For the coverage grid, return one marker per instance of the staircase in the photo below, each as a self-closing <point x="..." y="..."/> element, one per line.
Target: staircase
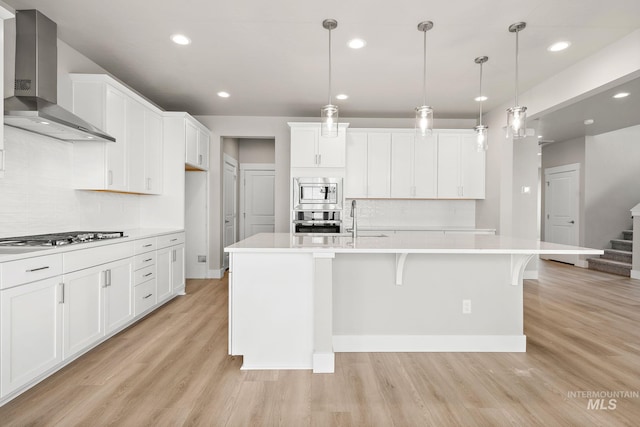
<point x="616" y="260"/>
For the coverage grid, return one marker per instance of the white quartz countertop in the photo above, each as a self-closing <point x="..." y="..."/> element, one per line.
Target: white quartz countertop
<point x="8" y="253"/>
<point x="420" y="228"/>
<point x="435" y="244"/>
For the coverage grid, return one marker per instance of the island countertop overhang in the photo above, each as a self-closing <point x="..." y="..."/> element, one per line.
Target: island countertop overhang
<point x="445" y="244"/>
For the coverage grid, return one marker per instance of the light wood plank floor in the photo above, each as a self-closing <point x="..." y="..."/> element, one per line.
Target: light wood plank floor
<point x="172" y="369"/>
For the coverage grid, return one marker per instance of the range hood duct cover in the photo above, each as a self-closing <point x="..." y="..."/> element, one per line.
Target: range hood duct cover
<point x="34" y="107"/>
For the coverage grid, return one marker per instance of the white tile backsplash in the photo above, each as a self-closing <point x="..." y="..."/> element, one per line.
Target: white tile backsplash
<point x="36" y="193"/>
<point x="423" y="213"/>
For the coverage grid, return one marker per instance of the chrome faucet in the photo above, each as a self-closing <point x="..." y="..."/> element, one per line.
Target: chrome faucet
<point x="354" y="215"/>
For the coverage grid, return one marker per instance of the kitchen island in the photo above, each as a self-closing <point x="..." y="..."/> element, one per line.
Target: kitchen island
<point x="295" y="300"/>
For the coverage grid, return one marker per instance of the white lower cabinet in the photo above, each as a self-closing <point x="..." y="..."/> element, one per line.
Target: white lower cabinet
<point x="170" y="264"/>
<point x="97" y="301"/>
<point x="31" y="332"/>
<point x="56" y="307"/>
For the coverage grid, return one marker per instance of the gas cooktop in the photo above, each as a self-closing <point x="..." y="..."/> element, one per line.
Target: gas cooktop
<point x="60" y="239"/>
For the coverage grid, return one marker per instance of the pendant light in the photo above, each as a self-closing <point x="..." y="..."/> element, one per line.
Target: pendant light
<point x="516" y="115"/>
<point x="424" y="113"/>
<point x="481" y="130"/>
<point x="329" y="113"/>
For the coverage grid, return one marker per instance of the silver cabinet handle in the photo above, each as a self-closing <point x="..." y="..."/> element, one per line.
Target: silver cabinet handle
<point x="174" y="255"/>
<point x="148" y="183"/>
<point x="147" y="245"/>
<point x="319" y="159"/>
<point x="147" y="275"/>
<point x="110" y="177"/>
<point x="37" y="269"/>
<point x="148" y="259"/>
<point x="199" y="159"/>
<point x="61" y="293"/>
<point x="107" y="278"/>
<point x="147" y="296"/>
<point x="174" y="240"/>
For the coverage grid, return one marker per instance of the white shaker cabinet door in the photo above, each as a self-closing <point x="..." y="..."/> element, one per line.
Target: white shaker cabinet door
<point x="31" y="332"/>
<point x="177" y="270"/>
<point x="425" y="168"/>
<point x="83" y="308"/>
<point x="153" y="146"/>
<point x="304" y="141"/>
<point x="117" y="164"/>
<point x="191" y="143"/>
<point x="135" y="145"/>
<point x="356" y="169"/>
<point x="164" y="260"/>
<point x="118" y="294"/>
<point x="448" y="166"/>
<point x="472" y="169"/>
<point x="402" y="185"/>
<point x="331" y="151"/>
<point x="378" y="165"/>
<point x="203" y="150"/>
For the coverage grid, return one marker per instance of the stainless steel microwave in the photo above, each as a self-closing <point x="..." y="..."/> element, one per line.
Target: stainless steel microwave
<point x="317" y="193"/>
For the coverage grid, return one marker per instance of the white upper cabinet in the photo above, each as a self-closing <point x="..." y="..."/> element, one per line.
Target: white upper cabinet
<point x="394" y="163"/>
<point x="367" y="172"/>
<point x="310" y="150"/>
<point x="461" y="169"/>
<point x="196" y="145"/>
<point x="134" y="162"/>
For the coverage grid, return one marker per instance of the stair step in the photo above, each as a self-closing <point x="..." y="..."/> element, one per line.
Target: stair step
<point x="627" y="234"/>
<point x="610" y="266"/>
<point x="617" y="255"/>
<point x="622" y="245"/>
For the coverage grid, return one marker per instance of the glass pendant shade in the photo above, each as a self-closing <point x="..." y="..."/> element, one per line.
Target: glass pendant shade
<point x="516" y="122"/>
<point x="482" y="144"/>
<point x="329" y="121"/>
<point x="424" y="120"/>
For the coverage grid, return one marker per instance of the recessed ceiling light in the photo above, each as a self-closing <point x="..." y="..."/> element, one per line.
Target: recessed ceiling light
<point x="589" y="122"/>
<point x="180" y="39"/>
<point x="356" y="43"/>
<point x="621" y="95"/>
<point x="342" y="97"/>
<point x="481" y="98"/>
<point x="223" y="94"/>
<point x="557" y="47"/>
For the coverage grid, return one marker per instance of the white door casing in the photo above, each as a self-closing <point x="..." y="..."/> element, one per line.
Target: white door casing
<point x="562" y="205"/>
<point x="229" y="204"/>
<point x="257" y="199"/>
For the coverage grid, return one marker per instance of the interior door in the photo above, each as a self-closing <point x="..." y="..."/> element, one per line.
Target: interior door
<point x="259" y="202"/>
<point x="230" y="183"/>
<point x="561" y="209"/>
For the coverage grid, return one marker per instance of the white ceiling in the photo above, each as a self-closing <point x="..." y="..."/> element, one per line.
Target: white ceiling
<point x="272" y="55"/>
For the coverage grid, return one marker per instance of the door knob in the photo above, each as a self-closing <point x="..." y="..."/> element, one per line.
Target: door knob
<point x="226" y="221"/>
<point x="572" y="222"/>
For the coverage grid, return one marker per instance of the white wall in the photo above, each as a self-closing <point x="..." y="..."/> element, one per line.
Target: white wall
<point x="257" y="150"/>
<point x="612" y="177"/>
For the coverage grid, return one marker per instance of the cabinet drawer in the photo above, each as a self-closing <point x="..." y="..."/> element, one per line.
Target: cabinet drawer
<point x="170" y="240"/>
<point x="29" y="270"/>
<point x="144" y="297"/>
<point x="144" y="274"/>
<point x="144" y="245"/>
<point x="85" y="258"/>
<point x="144" y="260"/>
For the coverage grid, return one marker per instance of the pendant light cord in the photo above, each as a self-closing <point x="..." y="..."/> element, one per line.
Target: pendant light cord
<point x="480" y="94"/>
<point x="329" y="66"/>
<point x="517" y="52"/>
<point x="424" y="70"/>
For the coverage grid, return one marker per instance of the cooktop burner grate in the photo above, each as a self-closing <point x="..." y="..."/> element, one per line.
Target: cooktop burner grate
<point x="60" y="239"/>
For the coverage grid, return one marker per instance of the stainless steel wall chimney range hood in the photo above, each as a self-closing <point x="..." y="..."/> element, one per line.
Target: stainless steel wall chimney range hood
<point x="34" y="108"/>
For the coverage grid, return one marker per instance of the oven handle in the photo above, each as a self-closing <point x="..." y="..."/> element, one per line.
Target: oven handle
<point x="320" y="222"/>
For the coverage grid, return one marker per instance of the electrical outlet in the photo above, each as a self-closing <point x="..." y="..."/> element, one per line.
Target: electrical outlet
<point x="466" y="306"/>
<point x="202" y="258"/>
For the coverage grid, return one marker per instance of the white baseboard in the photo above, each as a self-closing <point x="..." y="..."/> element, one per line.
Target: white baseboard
<point x="582" y="263"/>
<point x="635" y="274"/>
<point x="530" y="275"/>
<point x="216" y="274"/>
<point x="324" y="363"/>
<point x="430" y="343"/>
